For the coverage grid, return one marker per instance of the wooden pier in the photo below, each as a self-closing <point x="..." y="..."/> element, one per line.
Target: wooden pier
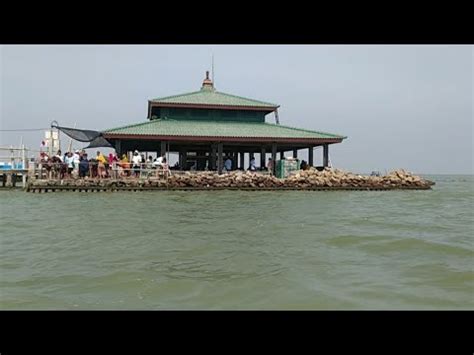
<point x="97" y="189"/>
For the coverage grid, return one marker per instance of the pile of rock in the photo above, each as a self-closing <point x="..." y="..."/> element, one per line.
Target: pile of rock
<point x="338" y="178"/>
<point x="307" y="179"/>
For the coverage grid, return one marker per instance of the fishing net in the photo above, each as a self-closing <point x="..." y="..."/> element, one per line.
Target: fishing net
<point x="99" y="142"/>
<point x="95" y="138"/>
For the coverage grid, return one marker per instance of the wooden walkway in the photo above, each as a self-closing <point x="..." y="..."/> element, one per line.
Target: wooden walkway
<point x="46" y="189"/>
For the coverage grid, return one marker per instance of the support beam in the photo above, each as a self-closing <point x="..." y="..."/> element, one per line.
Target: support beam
<point x="220" y="148"/>
<point x="234" y="160"/>
<point x="181" y="159"/>
<point x="242" y="160"/>
<point x="163" y="148"/>
<point x="262" y="158"/>
<point x="118" y="148"/>
<point x="325" y="155"/>
<point x="213" y="157"/>
<point x="274" y="155"/>
<point x="295" y="153"/>
<point x="310" y="156"/>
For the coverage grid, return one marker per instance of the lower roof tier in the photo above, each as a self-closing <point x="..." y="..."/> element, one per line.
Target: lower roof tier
<point x="166" y="129"/>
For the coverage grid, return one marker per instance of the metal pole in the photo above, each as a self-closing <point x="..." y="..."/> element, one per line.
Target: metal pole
<point x="274" y="154"/>
<point x="23" y="159"/>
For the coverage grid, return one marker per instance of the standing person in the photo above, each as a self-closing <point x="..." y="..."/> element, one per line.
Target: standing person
<point x="112" y="160"/>
<point x="270" y="165"/>
<point x="252" y="166"/>
<point x="69" y="160"/>
<point x="149" y="163"/>
<point x="228" y="164"/>
<point x="166" y="168"/>
<point x="83" y="166"/>
<point x="136" y="161"/>
<point x="76" y="160"/>
<point x="125" y="165"/>
<point x="101" y="161"/>
<point x="303" y="165"/>
<point x="59" y="156"/>
<point x="59" y="164"/>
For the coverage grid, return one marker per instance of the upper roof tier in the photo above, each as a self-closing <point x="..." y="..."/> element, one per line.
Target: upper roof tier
<point x="209" y="98"/>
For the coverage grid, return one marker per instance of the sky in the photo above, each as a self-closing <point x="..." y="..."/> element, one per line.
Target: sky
<point x="405" y="107"/>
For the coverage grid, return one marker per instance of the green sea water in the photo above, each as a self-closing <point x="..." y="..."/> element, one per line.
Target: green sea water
<point x="240" y="250"/>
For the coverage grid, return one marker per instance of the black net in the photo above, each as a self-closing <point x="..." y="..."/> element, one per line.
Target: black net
<point x="99" y="142"/>
<point x="84" y="135"/>
<point x="81" y="135"/>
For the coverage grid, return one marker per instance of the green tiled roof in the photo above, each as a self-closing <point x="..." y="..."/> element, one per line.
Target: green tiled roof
<point x="207" y="96"/>
<point x="169" y="127"/>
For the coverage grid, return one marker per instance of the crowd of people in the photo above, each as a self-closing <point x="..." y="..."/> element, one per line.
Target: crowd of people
<point x="79" y="165"/>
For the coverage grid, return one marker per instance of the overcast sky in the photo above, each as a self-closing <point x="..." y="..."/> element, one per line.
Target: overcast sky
<point x="400" y="106"/>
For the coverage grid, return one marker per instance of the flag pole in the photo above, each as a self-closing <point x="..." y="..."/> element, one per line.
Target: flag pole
<point x="213" y="77"/>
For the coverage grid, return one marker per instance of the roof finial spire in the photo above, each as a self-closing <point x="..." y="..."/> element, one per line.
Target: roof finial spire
<point x="207" y="84"/>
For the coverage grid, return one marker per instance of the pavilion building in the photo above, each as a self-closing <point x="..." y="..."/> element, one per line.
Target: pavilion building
<point x="207" y="125"/>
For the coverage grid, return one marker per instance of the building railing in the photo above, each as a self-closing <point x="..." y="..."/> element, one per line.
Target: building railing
<point x="52" y="171"/>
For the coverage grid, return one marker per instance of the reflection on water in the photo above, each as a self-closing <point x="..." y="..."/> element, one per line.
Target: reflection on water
<point x="240" y="250"/>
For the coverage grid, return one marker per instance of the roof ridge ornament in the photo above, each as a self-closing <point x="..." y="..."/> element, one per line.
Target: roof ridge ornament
<point x="207" y="84"/>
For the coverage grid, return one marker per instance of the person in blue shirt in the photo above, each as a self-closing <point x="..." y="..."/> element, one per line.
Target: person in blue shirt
<point x="83" y="166"/>
<point x="228" y="164"/>
<point x="252" y="166"/>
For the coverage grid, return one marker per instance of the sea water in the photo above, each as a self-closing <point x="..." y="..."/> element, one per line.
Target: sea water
<point x="239" y="249"/>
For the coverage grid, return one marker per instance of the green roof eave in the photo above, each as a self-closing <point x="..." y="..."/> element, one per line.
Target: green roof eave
<point x="248" y="130"/>
<point x="212" y="98"/>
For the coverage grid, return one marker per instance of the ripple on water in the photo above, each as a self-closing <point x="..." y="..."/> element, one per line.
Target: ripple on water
<point x="239" y="250"/>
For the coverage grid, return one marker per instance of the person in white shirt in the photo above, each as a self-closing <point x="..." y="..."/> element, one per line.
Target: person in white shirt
<point x="58" y="155"/>
<point x="158" y="162"/>
<point x="136" y="161"/>
<point x="68" y="159"/>
<point x="76" y="159"/>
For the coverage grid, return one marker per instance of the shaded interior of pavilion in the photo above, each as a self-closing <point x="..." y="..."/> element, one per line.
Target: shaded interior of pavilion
<point x="202" y="156"/>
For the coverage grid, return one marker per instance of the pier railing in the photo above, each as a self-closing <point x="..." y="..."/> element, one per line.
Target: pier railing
<point x="57" y="171"/>
<point x="13" y="163"/>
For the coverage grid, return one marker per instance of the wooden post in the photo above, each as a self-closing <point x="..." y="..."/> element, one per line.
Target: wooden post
<point x="310" y="156"/>
<point x="220" y="148"/>
<point x="295" y="153"/>
<point x="242" y="160"/>
<point x="262" y="158"/>
<point x="325" y="154"/>
<point x="274" y="155"/>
